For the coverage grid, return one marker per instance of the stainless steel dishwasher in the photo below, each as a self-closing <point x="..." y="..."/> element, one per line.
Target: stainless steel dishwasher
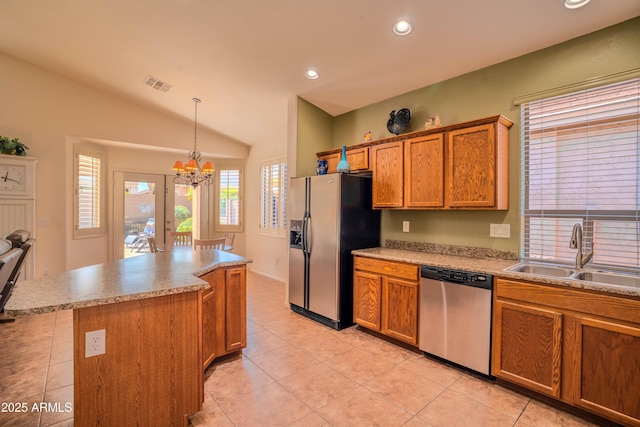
<point x="455" y="317"/>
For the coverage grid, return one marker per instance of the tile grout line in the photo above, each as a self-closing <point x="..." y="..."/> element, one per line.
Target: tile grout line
<point x="46" y="375"/>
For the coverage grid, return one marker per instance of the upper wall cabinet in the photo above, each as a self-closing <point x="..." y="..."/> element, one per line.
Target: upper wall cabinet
<point x="358" y="159"/>
<point x="478" y="167"/>
<point x="388" y="172"/>
<point x="409" y="173"/>
<point x="457" y="167"/>
<point x="424" y="175"/>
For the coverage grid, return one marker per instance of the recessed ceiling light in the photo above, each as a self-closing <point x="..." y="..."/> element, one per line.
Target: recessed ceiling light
<point x="402" y="28"/>
<point x="574" y="4"/>
<point x="311" y="74"/>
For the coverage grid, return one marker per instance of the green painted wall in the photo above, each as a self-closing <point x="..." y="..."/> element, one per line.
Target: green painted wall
<point x="315" y="133"/>
<point x="483" y="93"/>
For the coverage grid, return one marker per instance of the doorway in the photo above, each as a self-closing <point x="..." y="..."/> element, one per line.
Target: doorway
<point x="138" y="212"/>
<point x="147" y="205"/>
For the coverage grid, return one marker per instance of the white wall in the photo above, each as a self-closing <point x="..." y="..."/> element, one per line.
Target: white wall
<point x="48" y="113"/>
<point x="270" y="254"/>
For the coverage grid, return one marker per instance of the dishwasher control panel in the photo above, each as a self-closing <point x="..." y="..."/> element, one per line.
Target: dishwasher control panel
<point x="477" y="280"/>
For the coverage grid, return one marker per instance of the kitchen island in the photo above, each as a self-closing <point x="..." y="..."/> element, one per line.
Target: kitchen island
<point x="149" y="309"/>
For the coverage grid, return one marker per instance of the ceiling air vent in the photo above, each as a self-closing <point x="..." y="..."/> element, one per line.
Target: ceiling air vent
<point x="156" y="84"/>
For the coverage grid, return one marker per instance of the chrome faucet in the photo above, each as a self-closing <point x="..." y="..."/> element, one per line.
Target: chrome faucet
<point x="576" y="243"/>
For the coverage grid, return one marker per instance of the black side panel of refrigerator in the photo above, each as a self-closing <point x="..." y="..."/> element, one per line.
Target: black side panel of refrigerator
<point x="359" y="229"/>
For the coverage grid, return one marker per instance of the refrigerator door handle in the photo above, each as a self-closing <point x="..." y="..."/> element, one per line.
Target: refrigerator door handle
<point x="304" y="235"/>
<point x="309" y="238"/>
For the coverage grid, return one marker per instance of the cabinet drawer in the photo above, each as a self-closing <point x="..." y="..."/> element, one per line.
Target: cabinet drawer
<point x="578" y="300"/>
<point x="387" y="268"/>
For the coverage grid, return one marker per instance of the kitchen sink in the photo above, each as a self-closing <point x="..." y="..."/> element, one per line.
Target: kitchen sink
<point x="542" y="270"/>
<point x="609" y="278"/>
<point x="563" y="272"/>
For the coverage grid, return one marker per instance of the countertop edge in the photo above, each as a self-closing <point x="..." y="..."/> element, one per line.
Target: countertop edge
<point x="491" y="266"/>
<point x="104" y="301"/>
<point x="185" y="281"/>
<point x="221" y="264"/>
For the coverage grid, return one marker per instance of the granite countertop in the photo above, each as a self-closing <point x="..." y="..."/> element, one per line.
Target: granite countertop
<point x="477" y="263"/>
<point x="140" y="277"/>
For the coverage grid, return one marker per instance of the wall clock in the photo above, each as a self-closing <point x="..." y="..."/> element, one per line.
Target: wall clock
<point x="18" y="200"/>
<point x="17" y="177"/>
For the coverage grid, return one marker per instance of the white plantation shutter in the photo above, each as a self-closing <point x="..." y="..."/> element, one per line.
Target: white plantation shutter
<point x="580" y="164"/>
<point x="229" y="198"/>
<point x="89" y="172"/>
<point x="273" y="197"/>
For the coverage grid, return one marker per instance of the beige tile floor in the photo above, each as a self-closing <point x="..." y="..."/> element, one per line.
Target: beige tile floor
<point x="293" y="372"/>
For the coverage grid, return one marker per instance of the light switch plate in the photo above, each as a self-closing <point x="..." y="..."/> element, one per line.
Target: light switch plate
<point x="500" y="230"/>
<point x="95" y="343"/>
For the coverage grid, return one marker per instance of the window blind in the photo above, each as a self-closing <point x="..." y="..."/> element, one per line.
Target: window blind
<point x="229" y="203"/>
<point x="88" y="192"/>
<point x="273" y="200"/>
<point x="580" y="164"/>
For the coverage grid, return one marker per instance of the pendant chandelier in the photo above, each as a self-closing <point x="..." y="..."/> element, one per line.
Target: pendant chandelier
<point x="191" y="173"/>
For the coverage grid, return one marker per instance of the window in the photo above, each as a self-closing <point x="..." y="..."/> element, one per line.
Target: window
<point x="229" y="196"/>
<point x="274" y="197"/>
<point x="581" y="164"/>
<point x="89" y="192"/>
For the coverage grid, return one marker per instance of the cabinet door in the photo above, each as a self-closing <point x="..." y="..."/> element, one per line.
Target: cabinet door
<point x="332" y="161"/>
<point x="235" y="309"/>
<point x="388" y="175"/>
<point x="209" y="336"/>
<point x="527" y="346"/>
<point x="424" y="175"/>
<point x="400" y="309"/>
<point x="358" y="159"/>
<point x="471" y="167"/>
<point x="367" y="291"/>
<point x="607" y="369"/>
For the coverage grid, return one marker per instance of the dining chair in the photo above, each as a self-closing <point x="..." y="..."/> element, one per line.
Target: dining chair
<point x="180" y="238"/>
<point x="8" y="261"/>
<point x="209" y="243"/>
<point x="153" y="245"/>
<point x="228" y="243"/>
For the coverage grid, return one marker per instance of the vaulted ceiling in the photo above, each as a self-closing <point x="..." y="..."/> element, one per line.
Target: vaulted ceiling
<point x="246" y="58"/>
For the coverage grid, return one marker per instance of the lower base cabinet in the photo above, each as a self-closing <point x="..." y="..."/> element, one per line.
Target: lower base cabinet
<point x="577" y="346"/>
<point x="385" y="298"/>
<point x="224" y="313"/>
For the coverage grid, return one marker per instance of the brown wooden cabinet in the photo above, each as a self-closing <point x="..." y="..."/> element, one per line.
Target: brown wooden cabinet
<point x="358" y="159"/>
<point x="385" y="297"/>
<point x="409" y="174"/>
<point x="578" y="346"/>
<point x="529" y="339"/>
<point x="224" y="313"/>
<point x="465" y="166"/>
<point x="478" y="167"/>
<point x="424" y="175"/>
<point x="606" y="372"/>
<point x="387" y="166"/>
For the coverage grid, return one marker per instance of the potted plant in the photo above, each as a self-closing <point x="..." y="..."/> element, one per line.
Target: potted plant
<point x="12" y="146"/>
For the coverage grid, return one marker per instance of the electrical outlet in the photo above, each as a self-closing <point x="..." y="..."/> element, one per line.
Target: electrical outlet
<point x="500" y="230"/>
<point x="94" y="343"/>
<point x="405" y="226"/>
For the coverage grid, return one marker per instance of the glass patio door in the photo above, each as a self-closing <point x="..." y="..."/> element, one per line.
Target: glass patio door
<point x="139" y="212"/>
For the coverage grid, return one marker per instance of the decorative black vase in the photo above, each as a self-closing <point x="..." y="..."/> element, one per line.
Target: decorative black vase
<point x="398" y="122"/>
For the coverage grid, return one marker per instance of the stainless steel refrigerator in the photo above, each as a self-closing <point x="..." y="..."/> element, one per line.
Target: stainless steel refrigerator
<point x="330" y="215"/>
